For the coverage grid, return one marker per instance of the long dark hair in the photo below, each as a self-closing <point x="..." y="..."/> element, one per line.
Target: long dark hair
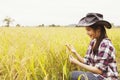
<point x="103" y="35"/>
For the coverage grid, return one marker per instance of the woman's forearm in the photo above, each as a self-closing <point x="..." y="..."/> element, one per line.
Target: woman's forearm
<point x="79" y="57"/>
<point x="89" y="68"/>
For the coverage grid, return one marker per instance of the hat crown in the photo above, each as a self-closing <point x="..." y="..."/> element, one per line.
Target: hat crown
<point x="98" y="15"/>
<point x="93" y="17"/>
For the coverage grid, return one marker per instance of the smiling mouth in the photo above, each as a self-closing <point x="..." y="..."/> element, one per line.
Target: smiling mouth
<point x="91" y="36"/>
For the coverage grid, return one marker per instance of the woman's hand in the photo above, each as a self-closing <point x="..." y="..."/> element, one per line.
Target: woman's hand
<point x="73" y="60"/>
<point x="71" y="48"/>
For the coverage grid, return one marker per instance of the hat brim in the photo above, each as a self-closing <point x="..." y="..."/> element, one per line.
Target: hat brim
<point x="83" y="23"/>
<point x="105" y="23"/>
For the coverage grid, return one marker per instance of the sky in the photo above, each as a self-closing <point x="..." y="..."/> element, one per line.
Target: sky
<point x="59" y="12"/>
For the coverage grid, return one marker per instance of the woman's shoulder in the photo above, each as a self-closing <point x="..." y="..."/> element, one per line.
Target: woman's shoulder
<point x="106" y="43"/>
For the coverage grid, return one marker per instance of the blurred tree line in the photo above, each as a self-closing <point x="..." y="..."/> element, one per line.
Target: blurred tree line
<point x="8" y="21"/>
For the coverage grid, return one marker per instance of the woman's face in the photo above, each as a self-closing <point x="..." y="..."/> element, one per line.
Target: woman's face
<point x="93" y="34"/>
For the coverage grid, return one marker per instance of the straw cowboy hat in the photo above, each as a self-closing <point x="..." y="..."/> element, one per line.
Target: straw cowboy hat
<point x="94" y="18"/>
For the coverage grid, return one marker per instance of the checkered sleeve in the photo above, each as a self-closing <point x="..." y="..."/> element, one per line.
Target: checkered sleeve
<point x="87" y="57"/>
<point x="86" y="60"/>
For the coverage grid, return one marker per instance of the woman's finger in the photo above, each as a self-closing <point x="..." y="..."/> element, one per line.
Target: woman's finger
<point x="68" y="47"/>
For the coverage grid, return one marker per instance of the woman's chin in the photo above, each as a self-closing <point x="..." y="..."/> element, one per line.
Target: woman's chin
<point x="91" y="38"/>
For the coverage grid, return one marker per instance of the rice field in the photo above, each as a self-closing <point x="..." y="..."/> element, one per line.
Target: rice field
<point x="40" y="53"/>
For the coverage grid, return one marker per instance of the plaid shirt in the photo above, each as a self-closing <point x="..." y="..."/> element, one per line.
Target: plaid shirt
<point x="103" y="60"/>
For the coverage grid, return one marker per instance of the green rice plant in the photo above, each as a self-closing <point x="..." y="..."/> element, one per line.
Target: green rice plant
<point x="40" y="53"/>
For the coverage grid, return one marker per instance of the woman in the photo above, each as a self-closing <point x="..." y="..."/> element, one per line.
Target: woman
<point x="100" y="56"/>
